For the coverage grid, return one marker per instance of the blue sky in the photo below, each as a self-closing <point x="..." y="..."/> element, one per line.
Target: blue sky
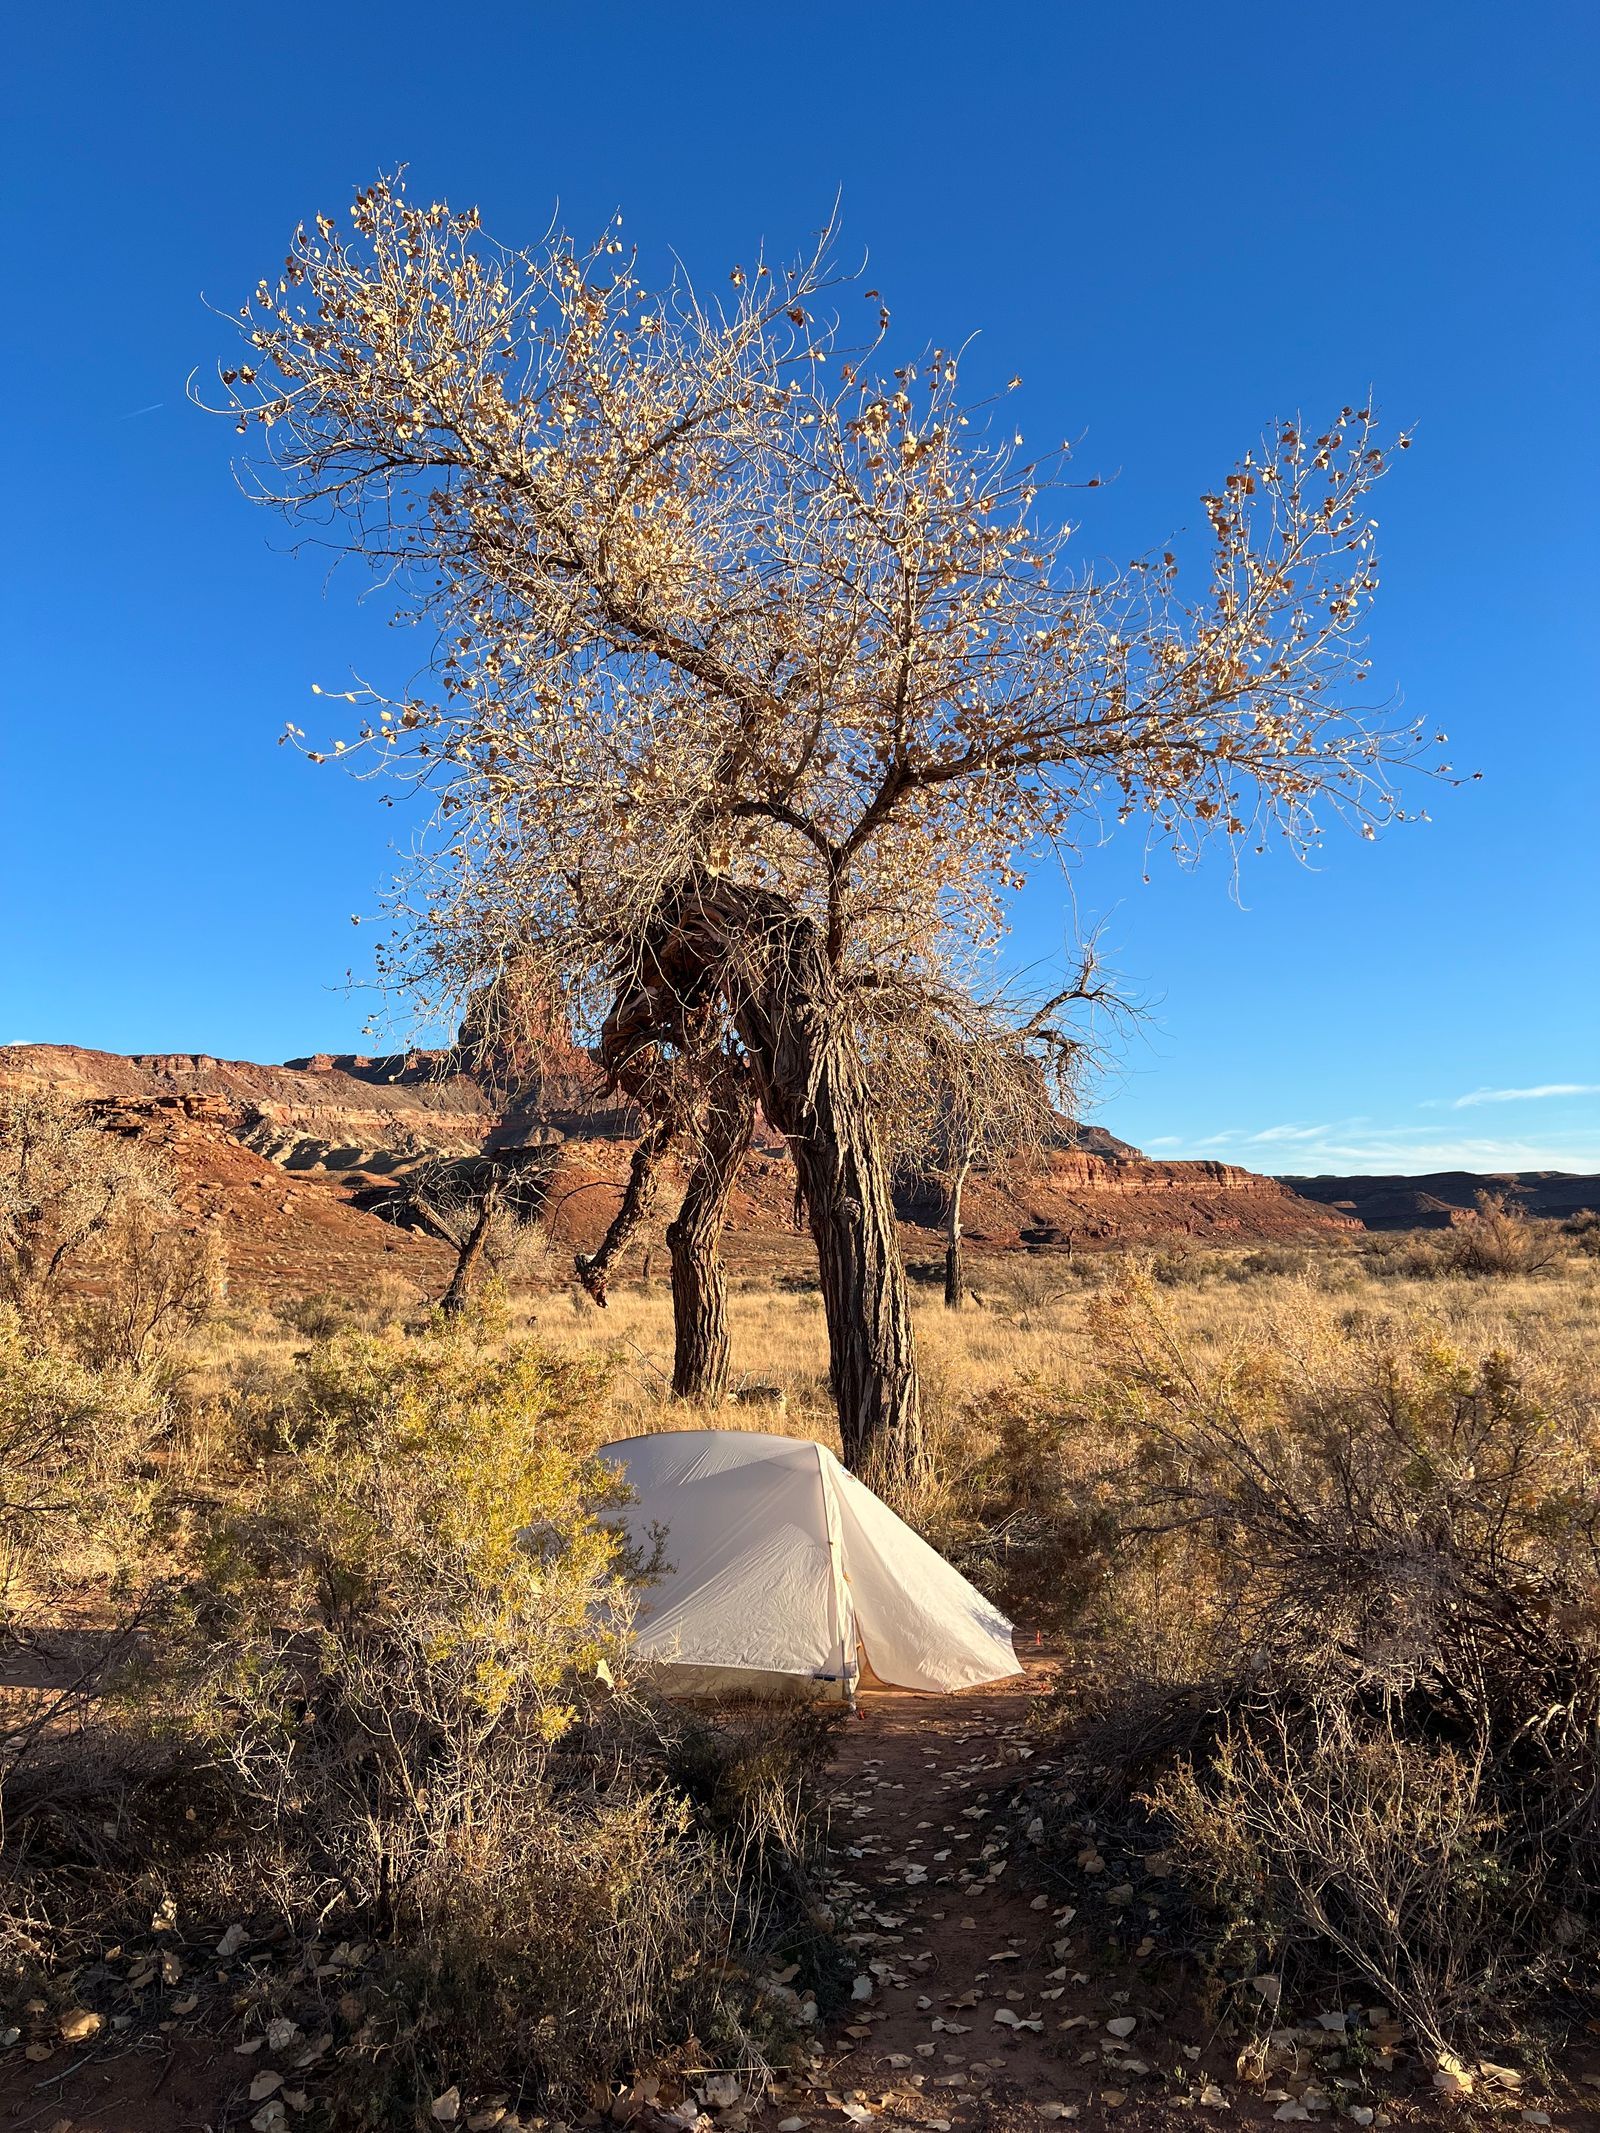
<point x="1176" y="221"/>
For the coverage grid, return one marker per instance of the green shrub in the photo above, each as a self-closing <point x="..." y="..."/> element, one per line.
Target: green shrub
<point x="77" y="1493"/>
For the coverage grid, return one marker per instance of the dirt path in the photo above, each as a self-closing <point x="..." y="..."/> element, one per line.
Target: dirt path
<point x="989" y="2012"/>
<point x="983" y="2006"/>
<point x="979" y="2014"/>
<point x="968" y="1971"/>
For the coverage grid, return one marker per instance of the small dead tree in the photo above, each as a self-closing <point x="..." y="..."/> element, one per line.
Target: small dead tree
<point x="992" y="1095"/>
<point x="480" y="1206"/>
<point x="762" y="665"/>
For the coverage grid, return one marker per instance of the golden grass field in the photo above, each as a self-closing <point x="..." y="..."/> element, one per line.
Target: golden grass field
<point x="1035" y="1320"/>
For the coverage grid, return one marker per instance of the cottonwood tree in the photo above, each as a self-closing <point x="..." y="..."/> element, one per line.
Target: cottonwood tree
<point x="764" y="670"/>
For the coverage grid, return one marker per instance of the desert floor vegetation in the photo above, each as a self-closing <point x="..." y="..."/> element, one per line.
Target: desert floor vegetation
<point x="323" y="1740"/>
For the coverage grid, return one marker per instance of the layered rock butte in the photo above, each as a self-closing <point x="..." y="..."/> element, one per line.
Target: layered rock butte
<point x="288" y="1162"/>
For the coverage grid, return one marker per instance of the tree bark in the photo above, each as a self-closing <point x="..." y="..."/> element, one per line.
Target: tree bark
<point x="816" y="1095"/>
<point x="712" y="940"/>
<point x="702" y="1348"/>
<point x="955" y="1287"/>
<point x="454" y="1301"/>
<point x="638" y="1198"/>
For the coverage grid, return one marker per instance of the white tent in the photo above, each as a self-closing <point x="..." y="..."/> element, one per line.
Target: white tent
<point x="785" y="1574"/>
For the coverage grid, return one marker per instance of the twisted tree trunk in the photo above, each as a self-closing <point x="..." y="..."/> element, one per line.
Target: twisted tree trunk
<point x="715" y="940"/>
<point x="816" y="1094"/>
<point x="699" y="1284"/>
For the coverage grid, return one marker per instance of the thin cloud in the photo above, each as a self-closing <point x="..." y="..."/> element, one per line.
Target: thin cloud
<point x="1354" y="1145"/>
<point x="1261" y="1137"/>
<point x="1525" y="1096"/>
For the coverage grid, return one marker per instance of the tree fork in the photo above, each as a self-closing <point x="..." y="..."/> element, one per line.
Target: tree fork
<point x="771" y="963"/>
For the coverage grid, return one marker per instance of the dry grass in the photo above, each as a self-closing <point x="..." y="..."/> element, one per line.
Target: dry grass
<point x="1036" y="1321"/>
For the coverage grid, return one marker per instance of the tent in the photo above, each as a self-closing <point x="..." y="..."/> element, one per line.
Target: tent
<point x="786" y="1575"/>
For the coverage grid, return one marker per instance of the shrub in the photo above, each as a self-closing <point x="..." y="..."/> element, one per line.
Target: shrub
<point x="1353" y="1659"/>
<point x="395" y="1692"/>
<point x="152" y="1283"/>
<point x="1497" y="1240"/>
<point x="315" y="1318"/>
<point x="1019" y="1491"/>
<point x="91" y="1242"/>
<point x="75" y="1443"/>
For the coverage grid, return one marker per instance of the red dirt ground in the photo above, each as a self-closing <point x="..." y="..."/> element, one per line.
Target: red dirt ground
<point x="950" y="1933"/>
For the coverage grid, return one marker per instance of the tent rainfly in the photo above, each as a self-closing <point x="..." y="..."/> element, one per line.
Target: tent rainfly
<point x="785" y="1575"/>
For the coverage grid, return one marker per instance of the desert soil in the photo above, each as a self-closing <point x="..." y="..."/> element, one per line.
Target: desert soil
<point x="980" y="2006"/>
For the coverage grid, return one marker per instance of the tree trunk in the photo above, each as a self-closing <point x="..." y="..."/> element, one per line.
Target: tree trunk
<point x="864" y="1295"/>
<point x="713" y="938"/>
<point x="638" y="1198"/>
<point x="815" y="1091"/>
<point x="454" y="1301"/>
<point x="955" y="1288"/>
<point x="702" y="1348"/>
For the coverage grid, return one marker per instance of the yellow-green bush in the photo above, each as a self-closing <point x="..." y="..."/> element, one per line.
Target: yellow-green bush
<point x="387" y="1703"/>
<point x="76" y="1493"/>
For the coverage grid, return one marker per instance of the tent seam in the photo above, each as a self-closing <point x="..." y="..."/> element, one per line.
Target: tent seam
<point x="831" y="1524"/>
